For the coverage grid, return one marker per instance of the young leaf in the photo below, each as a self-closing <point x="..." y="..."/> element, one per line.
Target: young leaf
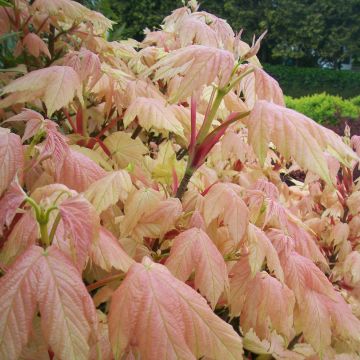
<point x="194" y="250"/>
<point x="268" y="305"/>
<point x="200" y="65"/>
<point x="24" y="234"/>
<point x="19" y="289"/>
<point x="68" y="315"/>
<point x="153" y="113"/>
<point x="36" y="348"/>
<point x="55" y="85"/>
<point x="82" y="225"/>
<point x="11" y="158"/>
<point x="139" y="203"/>
<point x="107" y="252"/>
<point x="159" y="317"/>
<point x="318" y="304"/>
<point x="124" y="149"/>
<point x="35" y="45"/>
<point x="195" y="31"/>
<point x="260" y="247"/>
<point x="295" y="136"/>
<point x="267" y="88"/>
<point x="33" y="120"/>
<point x="86" y="64"/>
<point x="55" y="145"/>
<point x="78" y="172"/>
<point x="9" y="203"/>
<point x="109" y="190"/>
<point x="223" y="201"/>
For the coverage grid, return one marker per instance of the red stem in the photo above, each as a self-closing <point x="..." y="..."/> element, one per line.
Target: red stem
<point x="104" y="147"/>
<point x="109" y="126"/>
<point x="79" y="121"/>
<point x="42" y="25"/>
<point x="69" y="120"/>
<point x="175" y="184"/>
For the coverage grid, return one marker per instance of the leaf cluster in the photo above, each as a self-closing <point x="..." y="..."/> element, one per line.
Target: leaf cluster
<point x="159" y="201"/>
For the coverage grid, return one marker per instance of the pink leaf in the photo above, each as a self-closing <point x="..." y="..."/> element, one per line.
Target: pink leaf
<point x="267" y="88"/>
<point x="19" y="289"/>
<point x="82" y="225"/>
<point x="107" y="252"/>
<point x="157" y="316"/>
<point x="9" y="203"/>
<point x="11" y="158"/>
<point x="222" y="201"/>
<point x="296" y="136"/>
<point x="33" y="120"/>
<point x="35" y="45"/>
<point x="260" y="247"/>
<point x="55" y="145"/>
<point x="24" y="234"/>
<point x="194" y="250"/>
<point x="79" y="172"/>
<point x="268" y="305"/>
<point x="68" y="315"/>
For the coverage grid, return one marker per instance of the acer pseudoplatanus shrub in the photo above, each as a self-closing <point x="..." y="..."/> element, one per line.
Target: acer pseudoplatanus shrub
<point x="159" y="201"/>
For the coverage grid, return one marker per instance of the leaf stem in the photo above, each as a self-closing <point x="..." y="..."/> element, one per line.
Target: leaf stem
<point x="209" y="119"/>
<point x="184" y="182"/>
<point x="104" y="281"/>
<point x="54" y="227"/>
<point x="44" y="233"/>
<point x="136" y="132"/>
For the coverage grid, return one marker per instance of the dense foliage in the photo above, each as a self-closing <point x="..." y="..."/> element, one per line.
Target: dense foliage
<point x="159" y="201"/>
<point x="324" y="108"/>
<point x="300" y="32"/>
<point x="298" y="81"/>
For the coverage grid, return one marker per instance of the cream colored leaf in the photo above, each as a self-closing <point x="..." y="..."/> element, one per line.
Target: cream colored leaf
<point x="200" y="65"/>
<point x="109" y="190"/>
<point x="56" y="86"/>
<point x="295" y="135"/>
<point x="153" y="113"/>
<point x="139" y="203"/>
<point x="194" y="30"/>
<point x="124" y="149"/>
<point x="159" y="317"/>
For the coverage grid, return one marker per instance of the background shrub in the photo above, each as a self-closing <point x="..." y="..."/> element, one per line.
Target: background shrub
<point x="325" y="108"/>
<point x="297" y="82"/>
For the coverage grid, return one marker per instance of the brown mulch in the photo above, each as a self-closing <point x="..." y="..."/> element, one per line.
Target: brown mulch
<point x="339" y="127"/>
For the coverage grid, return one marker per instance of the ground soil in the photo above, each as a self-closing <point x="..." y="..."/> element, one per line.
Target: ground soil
<point x="340" y="126"/>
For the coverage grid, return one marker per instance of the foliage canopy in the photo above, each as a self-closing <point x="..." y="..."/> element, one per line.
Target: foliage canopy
<point x="159" y="201"/>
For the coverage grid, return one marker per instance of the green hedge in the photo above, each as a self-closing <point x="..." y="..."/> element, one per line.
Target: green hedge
<point x="297" y="82"/>
<point x="324" y="108"/>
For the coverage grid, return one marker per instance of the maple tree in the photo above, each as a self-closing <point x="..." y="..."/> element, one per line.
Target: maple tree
<point x="149" y="203"/>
